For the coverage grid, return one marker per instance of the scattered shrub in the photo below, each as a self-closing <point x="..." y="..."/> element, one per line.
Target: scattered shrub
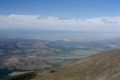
<point x="52" y="71"/>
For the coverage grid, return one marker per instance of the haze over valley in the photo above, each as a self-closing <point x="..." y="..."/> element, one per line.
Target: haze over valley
<point x="59" y="40"/>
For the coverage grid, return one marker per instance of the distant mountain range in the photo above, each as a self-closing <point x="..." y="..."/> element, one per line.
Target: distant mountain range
<point x="58" y="35"/>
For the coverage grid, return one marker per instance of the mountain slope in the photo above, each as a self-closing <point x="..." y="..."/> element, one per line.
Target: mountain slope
<point x="102" y="66"/>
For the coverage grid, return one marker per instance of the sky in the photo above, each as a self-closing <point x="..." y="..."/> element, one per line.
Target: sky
<point x="60" y="14"/>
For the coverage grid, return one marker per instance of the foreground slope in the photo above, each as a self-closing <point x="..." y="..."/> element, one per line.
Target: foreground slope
<point x="102" y="66"/>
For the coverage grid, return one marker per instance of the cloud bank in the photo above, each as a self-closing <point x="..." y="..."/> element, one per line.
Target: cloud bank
<point x="57" y="23"/>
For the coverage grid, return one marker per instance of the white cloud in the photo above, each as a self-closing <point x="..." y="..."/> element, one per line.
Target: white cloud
<point x="57" y="23"/>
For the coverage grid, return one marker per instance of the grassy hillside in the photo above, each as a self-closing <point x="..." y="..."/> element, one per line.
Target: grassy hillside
<point x="102" y="66"/>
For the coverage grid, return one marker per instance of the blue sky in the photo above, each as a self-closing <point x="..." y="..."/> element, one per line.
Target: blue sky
<point x="63" y="8"/>
<point x="60" y="14"/>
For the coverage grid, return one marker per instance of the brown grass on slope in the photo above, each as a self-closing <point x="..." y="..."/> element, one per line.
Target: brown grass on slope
<point x="102" y="66"/>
